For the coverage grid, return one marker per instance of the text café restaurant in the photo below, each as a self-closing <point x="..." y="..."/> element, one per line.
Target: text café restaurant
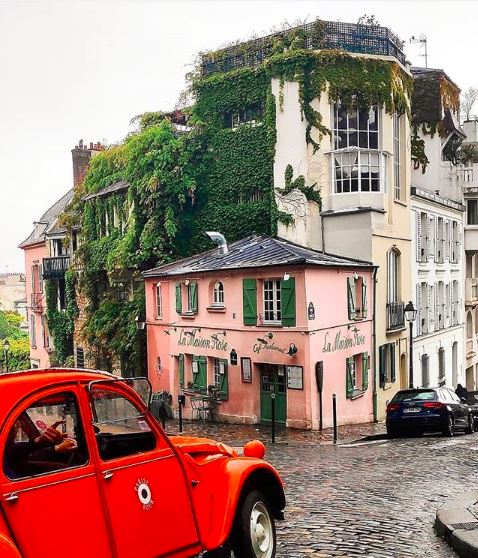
<point x="232" y="326"/>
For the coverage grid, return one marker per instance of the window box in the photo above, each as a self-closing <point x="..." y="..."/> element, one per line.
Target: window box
<point x="216" y="309"/>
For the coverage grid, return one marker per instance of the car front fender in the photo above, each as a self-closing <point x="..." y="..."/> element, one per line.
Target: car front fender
<point x="238" y="476"/>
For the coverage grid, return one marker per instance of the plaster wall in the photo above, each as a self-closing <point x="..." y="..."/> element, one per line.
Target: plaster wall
<point x="315" y="340"/>
<point x="38" y="353"/>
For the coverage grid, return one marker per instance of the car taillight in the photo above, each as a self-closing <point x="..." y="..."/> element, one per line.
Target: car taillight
<point x="433" y="405"/>
<point x="393" y="407"/>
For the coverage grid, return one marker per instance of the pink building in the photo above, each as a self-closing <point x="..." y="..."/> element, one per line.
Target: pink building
<point x="230" y="327"/>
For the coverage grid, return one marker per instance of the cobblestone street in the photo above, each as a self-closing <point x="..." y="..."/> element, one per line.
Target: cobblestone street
<point x="373" y="499"/>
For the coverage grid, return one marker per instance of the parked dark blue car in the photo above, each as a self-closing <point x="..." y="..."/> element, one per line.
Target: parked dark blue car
<point x="428" y="410"/>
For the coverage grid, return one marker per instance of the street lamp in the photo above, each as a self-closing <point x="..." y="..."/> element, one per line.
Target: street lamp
<point x="6" y="348"/>
<point x="410" y="315"/>
<point x="140" y="323"/>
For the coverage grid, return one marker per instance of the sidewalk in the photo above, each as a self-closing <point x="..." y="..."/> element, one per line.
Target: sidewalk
<point x="457" y="522"/>
<point x="238" y="434"/>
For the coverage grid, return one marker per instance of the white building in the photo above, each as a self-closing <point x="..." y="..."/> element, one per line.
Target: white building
<point x="437" y="265"/>
<point x="437" y="273"/>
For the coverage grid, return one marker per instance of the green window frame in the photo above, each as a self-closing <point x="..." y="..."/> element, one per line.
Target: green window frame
<point x="351" y="364"/>
<point x="181" y="370"/>
<point x="221" y="379"/>
<point x="249" y="302"/>
<point x="199" y="373"/>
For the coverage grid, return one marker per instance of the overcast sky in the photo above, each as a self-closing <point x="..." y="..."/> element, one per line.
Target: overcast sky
<point x="82" y="69"/>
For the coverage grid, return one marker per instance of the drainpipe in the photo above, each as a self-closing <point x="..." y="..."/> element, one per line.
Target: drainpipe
<point x="374" y="348"/>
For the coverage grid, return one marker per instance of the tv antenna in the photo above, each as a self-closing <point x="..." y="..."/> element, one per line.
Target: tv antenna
<point x="423" y="41"/>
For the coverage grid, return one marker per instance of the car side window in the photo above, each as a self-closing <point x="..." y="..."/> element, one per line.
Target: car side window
<point x="46" y="437"/>
<point x="121" y="429"/>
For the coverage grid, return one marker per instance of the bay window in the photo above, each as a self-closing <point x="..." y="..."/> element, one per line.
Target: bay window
<point x="358" y="165"/>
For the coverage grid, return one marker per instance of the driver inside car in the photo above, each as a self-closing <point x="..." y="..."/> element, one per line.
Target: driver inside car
<point x="42" y="452"/>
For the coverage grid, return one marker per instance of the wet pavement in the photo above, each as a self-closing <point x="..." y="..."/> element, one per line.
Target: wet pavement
<point x="369" y="497"/>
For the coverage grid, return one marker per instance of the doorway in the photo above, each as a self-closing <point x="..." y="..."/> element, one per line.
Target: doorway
<point x="470" y="381"/>
<point x="404" y="380"/>
<point x="273" y="381"/>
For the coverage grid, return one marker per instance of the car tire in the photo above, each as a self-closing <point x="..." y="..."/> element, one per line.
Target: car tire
<point x="449" y="428"/>
<point x="471" y="425"/>
<point x="254" y="534"/>
<point x="392" y="433"/>
<point x="223" y="552"/>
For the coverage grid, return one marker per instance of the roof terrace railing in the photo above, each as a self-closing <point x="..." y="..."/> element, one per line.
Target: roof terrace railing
<point x="351" y="37"/>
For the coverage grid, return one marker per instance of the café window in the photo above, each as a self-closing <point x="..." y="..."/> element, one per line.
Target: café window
<point x="272" y="301"/>
<point x="220" y="377"/>
<point x="357" y="370"/>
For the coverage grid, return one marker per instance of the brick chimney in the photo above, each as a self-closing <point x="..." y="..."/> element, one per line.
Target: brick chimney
<point x="81" y="155"/>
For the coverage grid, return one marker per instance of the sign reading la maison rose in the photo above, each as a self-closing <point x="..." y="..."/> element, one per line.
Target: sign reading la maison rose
<point x="340" y="342"/>
<point x="193" y="339"/>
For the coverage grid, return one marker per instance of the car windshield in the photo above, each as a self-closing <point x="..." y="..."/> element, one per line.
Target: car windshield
<point x="415" y="395"/>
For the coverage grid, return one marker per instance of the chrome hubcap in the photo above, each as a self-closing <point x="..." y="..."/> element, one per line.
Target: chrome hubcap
<point x="261" y="531"/>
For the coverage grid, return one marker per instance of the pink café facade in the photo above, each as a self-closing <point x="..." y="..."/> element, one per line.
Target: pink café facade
<point x="228" y="330"/>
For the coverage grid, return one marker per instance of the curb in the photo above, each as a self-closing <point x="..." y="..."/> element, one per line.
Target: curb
<point x="458" y="525"/>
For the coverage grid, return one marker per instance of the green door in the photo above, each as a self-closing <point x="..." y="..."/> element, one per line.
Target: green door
<point x="273" y="380"/>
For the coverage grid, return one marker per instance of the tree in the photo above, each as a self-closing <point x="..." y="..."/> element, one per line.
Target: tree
<point x="368" y="20"/>
<point x="468" y="99"/>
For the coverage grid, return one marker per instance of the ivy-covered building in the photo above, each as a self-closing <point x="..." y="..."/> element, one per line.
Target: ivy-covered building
<point x="311" y="127"/>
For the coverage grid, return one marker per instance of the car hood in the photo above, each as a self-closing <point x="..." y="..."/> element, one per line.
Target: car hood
<point x="192" y="445"/>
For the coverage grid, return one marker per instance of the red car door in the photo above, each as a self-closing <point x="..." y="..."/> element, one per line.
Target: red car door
<point x="145" y="493"/>
<point x="51" y="498"/>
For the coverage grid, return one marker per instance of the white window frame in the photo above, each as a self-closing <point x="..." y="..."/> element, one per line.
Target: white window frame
<point x="159" y="301"/>
<point x="362" y="161"/>
<point x="272" y="307"/>
<point x="393" y="282"/>
<point x="218" y="294"/>
<point x="189" y="296"/>
<point x="396" y="158"/>
<point x="219" y="369"/>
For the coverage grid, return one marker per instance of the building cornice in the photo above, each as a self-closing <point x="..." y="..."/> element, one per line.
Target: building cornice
<point x="435" y="198"/>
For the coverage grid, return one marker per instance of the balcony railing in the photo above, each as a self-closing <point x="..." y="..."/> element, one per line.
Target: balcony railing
<point x="37" y="302"/>
<point x="395" y="316"/>
<point x="54" y="268"/>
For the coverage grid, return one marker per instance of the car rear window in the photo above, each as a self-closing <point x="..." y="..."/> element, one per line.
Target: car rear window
<point x="415" y="395"/>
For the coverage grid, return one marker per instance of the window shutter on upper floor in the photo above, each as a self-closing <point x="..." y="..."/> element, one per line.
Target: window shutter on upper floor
<point x="446" y="250"/>
<point x="437" y="307"/>
<point x="288" y="302"/>
<point x="364" y="299"/>
<point x="249" y="301"/>
<point x="351" y="305"/>
<point x="430" y="308"/>
<point x="349" y="379"/>
<point x="194" y="297"/>
<point x="431" y="239"/>
<point x="458" y="244"/>
<point x="365" y="369"/>
<point x="437" y="241"/>
<point x="419" y="235"/>
<point x="179" y="302"/>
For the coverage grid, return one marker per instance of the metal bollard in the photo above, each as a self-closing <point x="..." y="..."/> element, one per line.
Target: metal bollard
<point x="334" y="414"/>
<point x="181" y="402"/>
<point x="273" y="417"/>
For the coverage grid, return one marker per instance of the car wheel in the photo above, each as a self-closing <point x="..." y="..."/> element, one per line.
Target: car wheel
<point x="449" y="429"/>
<point x="471" y="426"/>
<point x="254" y="535"/>
<point x="223" y="552"/>
<point x="392" y="432"/>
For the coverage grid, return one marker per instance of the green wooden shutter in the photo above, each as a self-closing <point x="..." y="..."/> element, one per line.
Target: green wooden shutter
<point x="364" y="299"/>
<point x="224" y="383"/>
<point x="181" y="370"/>
<point x="349" y="379"/>
<point x="365" y="367"/>
<point x="179" y="302"/>
<point x="287" y="294"/>
<point x="249" y="301"/>
<point x="202" y="380"/>
<point x="194" y="297"/>
<point x="351" y="297"/>
<point x="393" y="375"/>
<point x="382" y="364"/>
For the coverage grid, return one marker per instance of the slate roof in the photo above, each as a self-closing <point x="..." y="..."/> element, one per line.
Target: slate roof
<point x="49" y="220"/>
<point x="253" y="252"/>
<point x="116" y="187"/>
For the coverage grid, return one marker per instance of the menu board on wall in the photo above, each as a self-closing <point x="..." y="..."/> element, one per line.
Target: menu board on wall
<point x="295" y="377"/>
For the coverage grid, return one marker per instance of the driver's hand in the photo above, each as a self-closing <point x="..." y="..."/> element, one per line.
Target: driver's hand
<point x="51" y="436"/>
<point x="68" y="445"/>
